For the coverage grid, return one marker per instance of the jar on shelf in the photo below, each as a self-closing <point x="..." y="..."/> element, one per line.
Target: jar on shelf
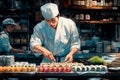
<point x="24" y="47"/>
<point x="23" y="40"/>
<point x="87" y="3"/>
<point x="110" y="3"/>
<point x="24" y="28"/>
<point x="17" y="40"/>
<point x="77" y="16"/>
<point x="103" y="3"/>
<point x="98" y="3"/>
<point x="87" y="16"/>
<point x="77" y="2"/>
<point x="94" y="2"/>
<point x="81" y="16"/>
<point x="82" y="2"/>
<point x="17" y="28"/>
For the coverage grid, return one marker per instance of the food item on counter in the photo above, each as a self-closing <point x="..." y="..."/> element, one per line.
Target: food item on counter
<point x="0" y="69"/>
<point x="69" y="69"/>
<point x="79" y="68"/>
<point x="84" y="68"/>
<point x="64" y="69"/>
<point x="19" y="69"/>
<point x="115" y="63"/>
<point x="46" y="69"/>
<point x="98" y="68"/>
<point x="55" y="69"/>
<point x="25" y="69"/>
<point x="88" y="68"/>
<point x="50" y="69"/>
<point x="60" y="69"/>
<point x="93" y="68"/>
<point x="74" y="68"/>
<point x="40" y="69"/>
<point x="96" y="60"/>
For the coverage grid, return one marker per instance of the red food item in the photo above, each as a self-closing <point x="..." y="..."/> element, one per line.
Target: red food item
<point x="64" y="69"/>
<point x="69" y="69"/>
<point x="60" y="69"/>
<point x="41" y="69"/>
<point x="55" y="69"/>
<point x="46" y="69"/>
<point x="50" y="69"/>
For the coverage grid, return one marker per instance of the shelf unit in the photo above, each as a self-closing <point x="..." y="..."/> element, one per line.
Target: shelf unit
<point x="104" y="21"/>
<point x="98" y="31"/>
<point x="19" y="38"/>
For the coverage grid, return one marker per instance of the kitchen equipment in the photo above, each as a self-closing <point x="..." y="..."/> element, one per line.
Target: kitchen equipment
<point x="6" y="60"/>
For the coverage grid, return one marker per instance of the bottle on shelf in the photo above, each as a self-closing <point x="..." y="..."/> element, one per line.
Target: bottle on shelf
<point x="81" y="16"/>
<point x="102" y="2"/>
<point x="94" y="2"/>
<point x="87" y="16"/>
<point x="87" y="3"/>
<point x="115" y="2"/>
<point x="98" y="2"/>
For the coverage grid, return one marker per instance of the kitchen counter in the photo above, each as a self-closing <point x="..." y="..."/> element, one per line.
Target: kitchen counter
<point x="37" y="58"/>
<point x="70" y="76"/>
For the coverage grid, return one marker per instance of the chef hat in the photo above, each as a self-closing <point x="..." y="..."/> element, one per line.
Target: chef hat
<point x="9" y="21"/>
<point x="49" y="10"/>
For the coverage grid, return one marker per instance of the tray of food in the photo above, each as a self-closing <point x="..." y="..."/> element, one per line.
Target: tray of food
<point x="114" y="69"/>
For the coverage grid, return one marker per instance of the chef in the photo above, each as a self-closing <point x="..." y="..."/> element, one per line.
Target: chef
<point x="55" y="37"/>
<point x="8" y="27"/>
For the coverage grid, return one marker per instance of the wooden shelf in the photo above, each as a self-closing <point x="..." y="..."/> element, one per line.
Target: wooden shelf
<point x="95" y="7"/>
<point x="99" y="22"/>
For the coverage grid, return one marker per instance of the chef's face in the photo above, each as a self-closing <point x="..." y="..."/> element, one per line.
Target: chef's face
<point x="10" y="28"/>
<point x="53" y="22"/>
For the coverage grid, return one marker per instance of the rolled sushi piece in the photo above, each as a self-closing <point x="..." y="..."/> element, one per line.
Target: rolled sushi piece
<point x="84" y="68"/>
<point x="93" y="67"/>
<point x="88" y="68"/>
<point x="98" y="67"/>
<point x="103" y="68"/>
<point x="79" y="69"/>
<point x="74" y="68"/>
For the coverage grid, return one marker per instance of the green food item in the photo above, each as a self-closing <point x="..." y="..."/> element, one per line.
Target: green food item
<point x="96" y="59"/>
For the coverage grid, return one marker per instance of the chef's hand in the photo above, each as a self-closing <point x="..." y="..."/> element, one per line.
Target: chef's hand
<point x="69" y="58"/>
<point x="47" y="54"/>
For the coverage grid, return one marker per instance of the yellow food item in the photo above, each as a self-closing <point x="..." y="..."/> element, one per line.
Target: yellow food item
<point x="96" y="59"/>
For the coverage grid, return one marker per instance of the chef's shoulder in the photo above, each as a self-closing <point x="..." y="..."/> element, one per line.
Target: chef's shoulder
<point x="3" y="35"/>
<point x="40" y="25"/>
<point x="67" y="20"/>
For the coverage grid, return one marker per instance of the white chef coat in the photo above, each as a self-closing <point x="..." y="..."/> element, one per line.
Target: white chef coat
<point x="60" y="40"/>
<point x="4" y="42"/>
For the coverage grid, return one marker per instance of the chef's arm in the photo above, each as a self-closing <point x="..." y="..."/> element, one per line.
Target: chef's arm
<point x="13" y="50"/>
<point x="44" y="51"/>
<point x="69" y="57"/>
<point x="73" y="51"/>
<point x="39" y="49"/>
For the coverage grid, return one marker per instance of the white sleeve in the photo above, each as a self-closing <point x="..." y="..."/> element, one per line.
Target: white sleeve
<point x="36" y="37"/>
<point x="6" y="44"/>
<point x="75" y="40"/>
